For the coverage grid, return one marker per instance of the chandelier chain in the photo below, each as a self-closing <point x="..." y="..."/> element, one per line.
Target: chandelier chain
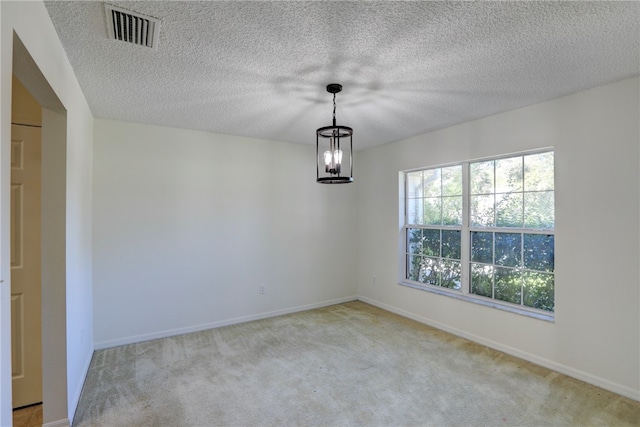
<point x="334" y="109"/>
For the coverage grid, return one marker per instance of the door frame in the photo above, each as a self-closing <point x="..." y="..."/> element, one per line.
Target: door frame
<point x="53" y="239"/>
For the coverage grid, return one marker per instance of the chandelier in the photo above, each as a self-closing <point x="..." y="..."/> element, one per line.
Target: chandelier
<point x="334" y="149"/>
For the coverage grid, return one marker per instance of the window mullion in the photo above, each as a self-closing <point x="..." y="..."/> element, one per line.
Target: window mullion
<point x="523" y="188"/>
<point x="465" y="238"/>
<point x="405" y="230"/>
<point x="522" y="265"/>
<point x="493" y="263"/>
<point x="406" y="201"/>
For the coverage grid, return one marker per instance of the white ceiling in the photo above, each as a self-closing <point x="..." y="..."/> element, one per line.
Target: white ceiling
<point x="260" y="69"/>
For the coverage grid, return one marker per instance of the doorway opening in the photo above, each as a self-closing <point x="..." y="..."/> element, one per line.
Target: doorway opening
<point x="51" y="221"/>
<point x="26" y="284"/>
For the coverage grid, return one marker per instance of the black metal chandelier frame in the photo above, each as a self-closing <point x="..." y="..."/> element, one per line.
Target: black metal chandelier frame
<point x="340" y="139"/>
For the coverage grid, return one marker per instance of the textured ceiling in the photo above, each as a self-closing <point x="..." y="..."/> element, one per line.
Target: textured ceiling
<point x="260" y="69"/>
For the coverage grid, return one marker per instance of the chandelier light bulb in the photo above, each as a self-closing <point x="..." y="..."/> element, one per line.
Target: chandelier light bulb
<point x="327" y="160"/>
<point x="337" y="155"/>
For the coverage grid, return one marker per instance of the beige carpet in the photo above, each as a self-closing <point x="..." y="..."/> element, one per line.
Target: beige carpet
<point x="345" y="365"/>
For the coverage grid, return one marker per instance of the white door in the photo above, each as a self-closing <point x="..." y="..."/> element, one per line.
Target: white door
<point x="26" y="313"/>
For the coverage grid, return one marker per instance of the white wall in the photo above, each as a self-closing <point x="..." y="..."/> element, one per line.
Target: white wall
<point x="187" y="224"/>
<point x="596" y="333"/>
<point x="30" y="22"/>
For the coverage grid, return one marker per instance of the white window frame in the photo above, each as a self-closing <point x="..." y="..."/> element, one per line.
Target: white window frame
<point x="466" y="229"/>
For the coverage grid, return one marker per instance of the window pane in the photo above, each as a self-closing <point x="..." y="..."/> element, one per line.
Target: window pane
<point x="415" y="209"/>
<point x="482" y="280"/>
<point x="432" y="211"/>
<point x="451" y="274"/>
<point x="482" y="211"/>
<point x="539" y="252"/>
<point x="509" y="210"/>
<point x="538" y="290"/>
<point x="508" y="285"/>
<point x="509" y="175"/>
<point x="432" y="183"/>
<point x="508" y="249"/>
<point x="538" y="172"/>
<point x="429" y="272"/>
<point x="414" y="241"/>
<point x="452" y="210"/>
<point x="452" y="181"/>
<point x="539" y="210"/>
<point x="481" y="176"/>
<point x="413" y="267"/>
<point x="482" y="247"/>
<point x="451" y="245"/>
<point x="414" y="184"/>
<point x="431" y="242"/>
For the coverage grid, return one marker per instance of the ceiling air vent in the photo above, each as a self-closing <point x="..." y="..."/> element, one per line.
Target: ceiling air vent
<point x="132" y="27"/>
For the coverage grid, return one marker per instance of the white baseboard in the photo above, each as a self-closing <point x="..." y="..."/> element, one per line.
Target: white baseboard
<point x="558" y="367"/>
<point x="59" y="423"/>
<point x="196" y="328"/>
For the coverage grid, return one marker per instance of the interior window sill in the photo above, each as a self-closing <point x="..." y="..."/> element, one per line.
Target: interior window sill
<point x="479" y="300"/>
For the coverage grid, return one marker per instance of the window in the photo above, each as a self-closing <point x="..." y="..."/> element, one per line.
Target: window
<point x="434" y="201"/>
<point x="483" y="231"/>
